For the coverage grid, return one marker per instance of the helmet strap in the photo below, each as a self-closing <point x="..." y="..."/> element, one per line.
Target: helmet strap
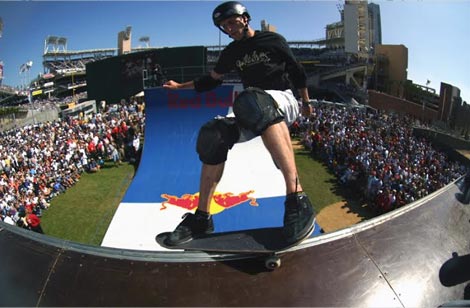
<point x="245" y="29"/>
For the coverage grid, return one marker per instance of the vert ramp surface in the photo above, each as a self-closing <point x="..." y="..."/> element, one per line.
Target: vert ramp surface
<point x="250" y="194"/>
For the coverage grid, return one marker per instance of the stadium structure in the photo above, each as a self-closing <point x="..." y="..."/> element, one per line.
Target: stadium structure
<point x="327" y="60"/>
<point x="350" y="64"/>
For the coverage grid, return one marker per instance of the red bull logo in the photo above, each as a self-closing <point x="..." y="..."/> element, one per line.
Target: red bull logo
<point x="219" y="202"/>
<point x="228" y="200"/>
<point x="186" y="201"/>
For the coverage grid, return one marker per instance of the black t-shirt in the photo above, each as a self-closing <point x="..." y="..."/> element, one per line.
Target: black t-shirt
<point x="264" y="61"/>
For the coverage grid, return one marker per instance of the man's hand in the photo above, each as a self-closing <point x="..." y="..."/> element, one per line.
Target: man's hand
<point x="172" y="85"/>
<point x="306" y="107"/>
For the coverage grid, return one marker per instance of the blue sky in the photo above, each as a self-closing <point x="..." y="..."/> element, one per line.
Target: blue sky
<point x="436" y="33"/>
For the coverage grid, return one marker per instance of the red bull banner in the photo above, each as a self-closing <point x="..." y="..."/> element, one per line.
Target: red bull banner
<point x="219" y="202"/>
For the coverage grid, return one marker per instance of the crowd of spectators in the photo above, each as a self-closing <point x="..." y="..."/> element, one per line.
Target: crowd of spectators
<point x="368" y="150"/>
<point x="377" y="154"/>
<point x="41" y="161"/>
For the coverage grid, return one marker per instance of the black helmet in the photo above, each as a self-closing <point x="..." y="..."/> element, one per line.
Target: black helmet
<point x="228" y="9"/>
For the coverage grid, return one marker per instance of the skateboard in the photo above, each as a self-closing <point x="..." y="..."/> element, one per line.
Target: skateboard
<point x="269" y="242"/>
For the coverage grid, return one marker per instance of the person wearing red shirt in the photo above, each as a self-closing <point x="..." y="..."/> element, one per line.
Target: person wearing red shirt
<point x="34" y="223"/>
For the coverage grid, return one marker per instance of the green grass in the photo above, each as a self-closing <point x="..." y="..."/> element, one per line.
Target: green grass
<point x="323" y="187"/>
<point x="317" y="181"/>
<point x="83" y="213"/>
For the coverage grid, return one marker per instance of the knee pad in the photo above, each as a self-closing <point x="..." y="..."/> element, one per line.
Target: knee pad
<point x="256" y="110"/>
<point x="215" y="138"/>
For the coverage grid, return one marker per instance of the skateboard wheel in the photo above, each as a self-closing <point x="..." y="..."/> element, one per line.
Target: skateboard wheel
<point x="272" y="263"/>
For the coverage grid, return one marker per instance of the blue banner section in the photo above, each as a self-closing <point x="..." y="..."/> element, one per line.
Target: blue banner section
<point x="169" y="162"/>
<point x="269" y="213"/>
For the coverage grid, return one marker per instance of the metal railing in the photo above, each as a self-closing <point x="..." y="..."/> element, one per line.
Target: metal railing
<point x="155" y="78"/>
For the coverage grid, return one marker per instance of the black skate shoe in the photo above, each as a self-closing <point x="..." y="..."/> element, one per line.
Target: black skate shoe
<point x="299" y="217"/>
<point x="191" y="226"/>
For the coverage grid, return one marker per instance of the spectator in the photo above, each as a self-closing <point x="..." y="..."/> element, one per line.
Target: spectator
<point x="93" y="166"/>
<point x="7" y="219"/>
<point x="33" y="222"/>
<point x="40" y="161"/>
<point x="114" y="154"/>
<point x="377" y="153"/>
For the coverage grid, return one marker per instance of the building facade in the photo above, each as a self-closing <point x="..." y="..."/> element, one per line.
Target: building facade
<point x="391" y="69"/>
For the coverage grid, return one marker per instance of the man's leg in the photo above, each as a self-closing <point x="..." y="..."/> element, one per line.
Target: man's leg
<point x="215" y="139"/>
<point x="210" y="177"/>
<point x="277" y="140"/>
<point x="299" y="216"/>
<point x="201" y="221"/>
<point x="265" y="113"/>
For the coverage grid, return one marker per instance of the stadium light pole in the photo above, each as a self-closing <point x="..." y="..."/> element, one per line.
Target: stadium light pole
<point x="145" y="40"/>
<point x="29" y="65"/>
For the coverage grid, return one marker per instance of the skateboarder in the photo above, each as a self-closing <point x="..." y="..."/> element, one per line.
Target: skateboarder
<point x="265" y="108"/>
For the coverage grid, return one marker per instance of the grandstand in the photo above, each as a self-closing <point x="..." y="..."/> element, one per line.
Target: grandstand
<point x="58" y="60"/>
<point x="65" y="70"/>
<point x="12" y="97"/>
<point x="343" y="66"/>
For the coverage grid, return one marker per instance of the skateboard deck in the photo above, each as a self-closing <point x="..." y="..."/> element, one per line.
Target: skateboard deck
<point x="263" y="241"/>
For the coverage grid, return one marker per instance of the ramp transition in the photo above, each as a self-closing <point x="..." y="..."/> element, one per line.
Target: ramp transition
<point x="417" y="256"/>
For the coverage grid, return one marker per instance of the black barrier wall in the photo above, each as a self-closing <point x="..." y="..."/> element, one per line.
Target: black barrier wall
<point x="120" y="77"/>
